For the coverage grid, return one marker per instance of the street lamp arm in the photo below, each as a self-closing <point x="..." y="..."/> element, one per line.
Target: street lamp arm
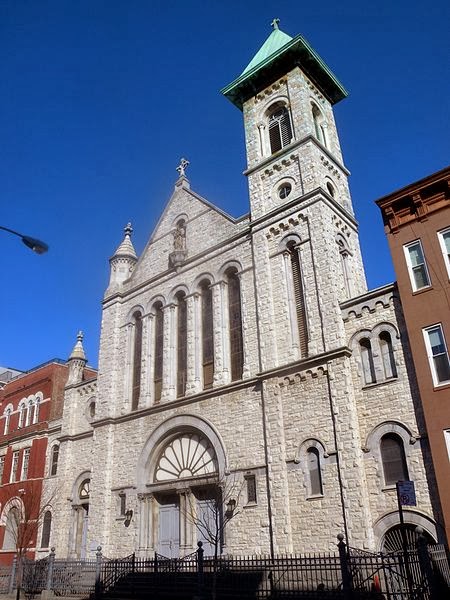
<point x="34" y="244"/>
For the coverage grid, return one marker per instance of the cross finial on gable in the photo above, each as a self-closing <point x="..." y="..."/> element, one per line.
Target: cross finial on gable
<point x="128" y="229"/>
<point x="275" y="23"/>
<point x="182" y="167"/>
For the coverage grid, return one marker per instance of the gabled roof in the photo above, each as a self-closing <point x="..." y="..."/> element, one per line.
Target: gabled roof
<point x="279" y="54"/>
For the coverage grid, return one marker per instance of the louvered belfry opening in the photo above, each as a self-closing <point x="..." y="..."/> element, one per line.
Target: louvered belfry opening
<point x="181" y="344"/>
<point x="299" y="299"/>
<point x="207" y="334"/>
<point x="280" y="130"/>
<point x="137" y="357"/>
<point x="235" y="321"/>
<point x="159" y="349"/>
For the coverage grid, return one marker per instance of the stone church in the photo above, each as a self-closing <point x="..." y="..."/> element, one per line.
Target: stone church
<point x="246" y="357"/>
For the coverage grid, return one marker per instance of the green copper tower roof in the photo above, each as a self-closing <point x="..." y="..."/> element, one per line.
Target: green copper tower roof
<point x="279" y="54"/>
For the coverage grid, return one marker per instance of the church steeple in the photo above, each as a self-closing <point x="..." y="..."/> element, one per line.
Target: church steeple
<point x="123" y="260"/>
<point x="77" y="361"/>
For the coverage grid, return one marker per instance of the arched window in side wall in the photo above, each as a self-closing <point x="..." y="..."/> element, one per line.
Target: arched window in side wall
<point x="299" y="299"/>
<point x="235" y="321"/>
<point x="21" y="415"/>
<point x="280" y="130"/>
<point x="207" y="334"/>
<point x="387" y="355"/>
<point x="158" y="351"/>
<point x="319" y="125"/>
<point x="11" y="529"/>
<point x="54" y="460"/>
<point x="137" y="360"/>
<point x="344" y="256"/>
<point x="393" y="459"/>
<point x="181" y="344"/>
<point x="367" y="361"/>
<point x="28" y="412"/>
<point x="7" y="421"/>
<point x="314" y="472"/>
<point x="36" y="410"/>
<point x="46" y="529"/>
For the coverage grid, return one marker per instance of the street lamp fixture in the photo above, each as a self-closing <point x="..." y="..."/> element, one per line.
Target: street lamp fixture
<point x="36" y="245"/>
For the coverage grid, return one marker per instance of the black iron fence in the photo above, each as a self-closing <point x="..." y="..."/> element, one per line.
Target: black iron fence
<point x="422" y="573"/>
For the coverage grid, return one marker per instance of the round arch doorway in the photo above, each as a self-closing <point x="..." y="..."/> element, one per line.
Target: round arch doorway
<point x="184" y="503"/>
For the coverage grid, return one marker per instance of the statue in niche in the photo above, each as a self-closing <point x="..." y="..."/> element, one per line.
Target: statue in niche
<point x="179" y="236"/>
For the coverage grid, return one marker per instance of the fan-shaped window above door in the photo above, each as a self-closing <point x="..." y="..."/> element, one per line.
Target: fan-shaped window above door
<point x="187" y="455"/>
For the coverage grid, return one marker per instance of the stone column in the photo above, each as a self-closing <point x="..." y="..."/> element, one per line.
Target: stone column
<point x="187" y="520"/>
<point x="146" y="533"/>
<point x="169" y="358"/>
<point x="193" y="383"/>
<point x="221" y="337"/>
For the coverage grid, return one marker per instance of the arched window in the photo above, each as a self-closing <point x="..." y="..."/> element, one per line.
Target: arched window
<point x="46" y="529"/>
<point x="7" y="420"/>
<point x="10" y="540"/>
<point x="367" y="361"/>
<point x="21" y="415"/>
<point x="319" y="125"/>
<point x="159" y="349"/>
<point x="393" y="459"/>
<point x="314" y="471"/>
<point x="207" y="334"/>
<point x="137" y="359"/>
<point x="28" y="412"/>
<point x="235" y="320"/>
<point x="330" y="189"/>
<point x="299" y="299"/>
<point x="54" y="460"/>
<point x="36" y="410"/>
<point x="280" y="130"/>
<point x="181" y="344"/>
<point x="387" y="355"/>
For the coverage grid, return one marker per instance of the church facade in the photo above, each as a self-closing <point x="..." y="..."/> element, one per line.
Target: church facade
<point x="245" y="359"/>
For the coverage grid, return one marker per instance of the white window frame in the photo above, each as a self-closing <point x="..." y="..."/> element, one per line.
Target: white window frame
<point x="447" y="441"/>
<point x="444" y="248"/>
<point x="25" y="464"/>
<point x="406" y="248"/>
<point x="426" y="335"/>
<point x="14" y="466"/>
<point x="2" y="467"/>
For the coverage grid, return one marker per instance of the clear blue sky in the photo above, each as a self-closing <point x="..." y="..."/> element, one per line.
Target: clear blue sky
<point x="101" y="98"/>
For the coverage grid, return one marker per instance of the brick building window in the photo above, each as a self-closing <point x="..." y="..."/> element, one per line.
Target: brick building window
<point x="158" y="350"/>
<point x="25" y="463"/>
<point x="7" y="421"/>
<point x="22" y="408"/>
<point x="2" y="468"/>
<point x="437" y="354"/>
<point x="393" y="459"/>
<point x="418" y="271"/>
<point x="137" y="359"/>
<point x="14" y="466"/>
<point x="207" y="334"/>
<point x="444" y="240"/>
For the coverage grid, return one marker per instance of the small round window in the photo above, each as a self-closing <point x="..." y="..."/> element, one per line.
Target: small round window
<point x="284" y="190"/>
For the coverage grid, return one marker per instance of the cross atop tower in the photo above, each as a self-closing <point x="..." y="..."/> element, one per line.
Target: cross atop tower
<point x="274" y="23"/>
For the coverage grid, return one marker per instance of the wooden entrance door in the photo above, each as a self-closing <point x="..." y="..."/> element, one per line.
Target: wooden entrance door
<point x="169" y="530"/>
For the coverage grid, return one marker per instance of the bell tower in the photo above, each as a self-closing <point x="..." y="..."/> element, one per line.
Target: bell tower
<point x="287" y="94"/>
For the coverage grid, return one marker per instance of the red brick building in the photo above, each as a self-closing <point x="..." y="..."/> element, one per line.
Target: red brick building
<point x="417" y="225"/>
<point x="31" y="406"/>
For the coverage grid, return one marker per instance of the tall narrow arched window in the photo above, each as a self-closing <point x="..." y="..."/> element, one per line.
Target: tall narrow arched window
<point x="181" y="344"/>
<point x="36" y="410"/>
<point x="11" y="529"/>
<point x="319" y="124"/>
<point x="235" y="321"/>
<point x="367" y="361"/>
<point x="158" y="351"/>
<point x="28" y="412"/>
<point x="137" y="360"/>
<point x="54" y="460"/>
<point x="387" y="355"/>
<point x="299" y="299"/>
<point x="344" y="255"/>
<point x="393" y="459"/>
<point x="207" y="334"/>
<point x="21" y="415"/>
<point x="46" y="529"/>
<point x="314" y="471"/>
<point x="280" y="130"/>
<point x="7" y="420"/>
